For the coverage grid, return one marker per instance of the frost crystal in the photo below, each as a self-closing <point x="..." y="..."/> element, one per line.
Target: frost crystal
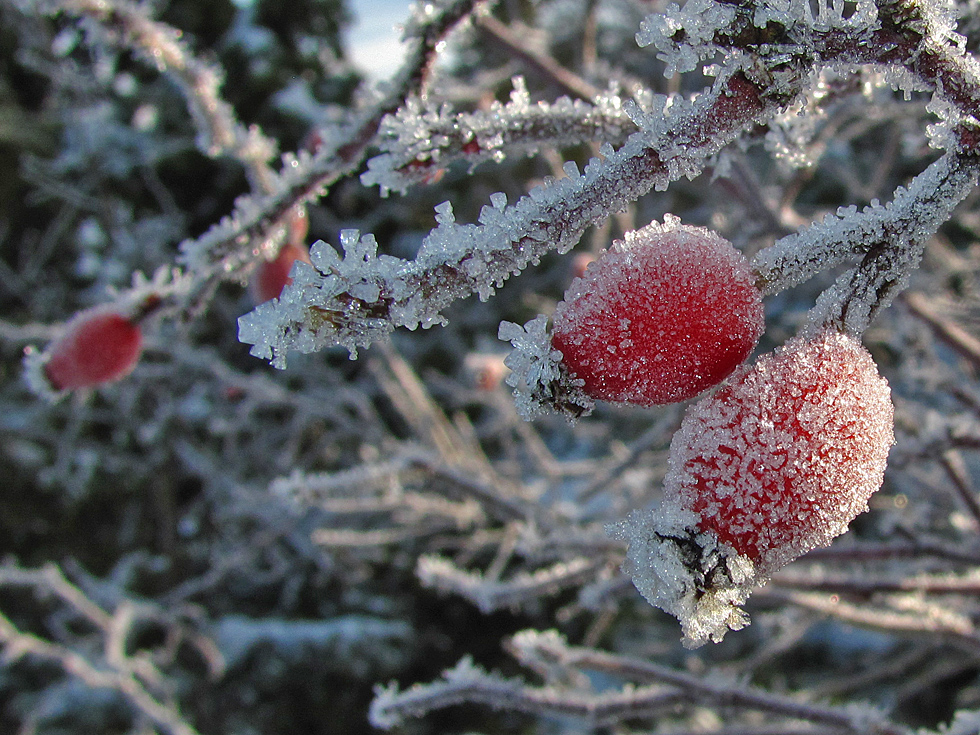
<point x="537" y="376"/>
<point x="696" y="23"/>
<point x="777" y="462"/>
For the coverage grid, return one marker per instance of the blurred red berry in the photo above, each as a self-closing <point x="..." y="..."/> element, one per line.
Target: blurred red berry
<point x="785" y="456"/>
<point x="299" y="226"/>
<point x="272" y="276"/>
<point x="98" y="346"/>
<point x="581" y="263"/>
<point x="659" y="318"/>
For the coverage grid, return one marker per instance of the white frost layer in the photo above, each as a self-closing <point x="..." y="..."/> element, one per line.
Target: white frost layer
<point x="685" y="573"/>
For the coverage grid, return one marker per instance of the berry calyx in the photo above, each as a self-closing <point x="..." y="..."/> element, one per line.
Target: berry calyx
<point x="97" y="346"/>
<point x="659" y="317"/>
<point x="777" y="462"/>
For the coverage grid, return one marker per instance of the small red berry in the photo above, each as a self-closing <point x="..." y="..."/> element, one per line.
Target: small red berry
<point x="98" y="346"/>
<point x="659" y="318"/>
<point x="786" y="455"/>
<point x="272" y="276"/>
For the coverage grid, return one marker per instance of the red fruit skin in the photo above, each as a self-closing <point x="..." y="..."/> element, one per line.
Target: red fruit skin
<point x="782" y="458"/>
<point x="659" y="318"/>
<point x="97" y="347"/>
<point x="272" y="276"/>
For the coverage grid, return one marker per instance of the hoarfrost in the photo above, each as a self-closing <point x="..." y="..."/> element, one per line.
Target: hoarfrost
<point x="417" y="141"/>
<point x="698" y="20"/>
<point x="537" y="376"/>
<point x="686" y="573"/>
<point x="897" y="230"/>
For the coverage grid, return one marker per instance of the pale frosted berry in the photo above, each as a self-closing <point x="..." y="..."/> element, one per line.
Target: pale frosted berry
<point x="97" y="346"/>
<point x="272" y="276"/>
<point x="660" y="317"/>
<point x="778" y="461"/>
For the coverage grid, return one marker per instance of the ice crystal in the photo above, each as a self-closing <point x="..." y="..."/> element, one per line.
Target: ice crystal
<point x="537" y="376"/>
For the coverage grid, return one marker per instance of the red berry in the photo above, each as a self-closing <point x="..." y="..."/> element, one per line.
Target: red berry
<point x="272" y="276"/>
<point x="661" y="317"/>
<point x="778" y="461"/>
<point x="98" y="346"/>
<point x="784" y="457"/>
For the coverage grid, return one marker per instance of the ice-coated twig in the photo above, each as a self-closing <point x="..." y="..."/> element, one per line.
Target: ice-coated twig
<point x="891" y="238"/>
<point x="260" y="220"/>
<point x="858" y="296"/>
<point x="868" y="583"/>
<point x="551" y="648"/>
<point x="917" y="618"/>
<point x="418" y="141"/>
<point x="914" y="214"/>
<point x="651" y="687"/>
<point x="130" y="676"/>
<point x="362" y="298"/>
<point x="222" y="250"/>
<point x="490" y="594"/>
<point x="468" y="683"/>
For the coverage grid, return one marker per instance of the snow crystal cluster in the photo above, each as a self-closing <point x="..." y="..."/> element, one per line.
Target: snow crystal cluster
<point x="686" y="573"/>
<point x="540" y="381"/>
<point x="321" y="297"/>
<point x="696" y="24"/>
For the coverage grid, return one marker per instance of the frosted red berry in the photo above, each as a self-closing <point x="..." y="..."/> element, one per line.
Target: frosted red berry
<point x="786" y="455"/>
<point x="660" y="317"/>
<point x="778" y="461"/>
<point x="272" y="276"/>
<point x="98" y="346"/>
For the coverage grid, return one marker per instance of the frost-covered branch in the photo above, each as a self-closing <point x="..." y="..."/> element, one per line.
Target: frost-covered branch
<point x="133" y="677"/>
<point x="651" y="689"/>
<point x="520" y="589"/>
<point x="419" y="141"/>
<point x="549" y="648"/>
<point x="357" y="300"/>
<point x="901" y="228"/>
<point x="468" y="683"/>
<point x="228" y="246"/>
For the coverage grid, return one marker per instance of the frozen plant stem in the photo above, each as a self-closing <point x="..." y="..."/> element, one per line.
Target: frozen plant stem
<point x="652" y="688"/>
<point x="116" y="671"/>
<point x="219" y="132"/>
<point x="890" y="237"/>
